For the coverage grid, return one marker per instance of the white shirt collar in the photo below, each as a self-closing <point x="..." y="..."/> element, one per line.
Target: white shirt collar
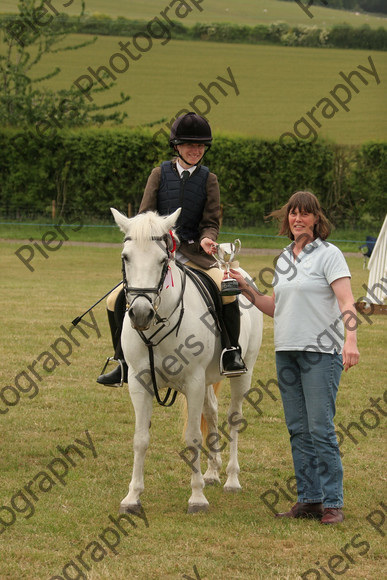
<point x="181" y="169"/>
<point x="317" y="242"/>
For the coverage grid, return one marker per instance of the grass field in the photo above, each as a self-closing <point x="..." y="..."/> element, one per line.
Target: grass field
<point x="273" y="86"/>
<point x="248" y="12"/>
<point x="238" y="539"/>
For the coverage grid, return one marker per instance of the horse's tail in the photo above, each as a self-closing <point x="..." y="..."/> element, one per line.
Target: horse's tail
<point x="203" y="422"/>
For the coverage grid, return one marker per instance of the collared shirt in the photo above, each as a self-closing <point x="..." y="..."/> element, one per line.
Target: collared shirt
<point x="181" y="169"/>
<point x="307" y="314"/>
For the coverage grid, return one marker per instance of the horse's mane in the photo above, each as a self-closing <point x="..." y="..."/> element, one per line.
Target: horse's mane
<point x="145" y="225"/>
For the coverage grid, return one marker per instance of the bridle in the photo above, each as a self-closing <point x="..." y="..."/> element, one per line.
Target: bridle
<point x="170" y="247"/>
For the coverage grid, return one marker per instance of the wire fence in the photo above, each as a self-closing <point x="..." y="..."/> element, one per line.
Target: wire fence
<point x="30" y="217"/>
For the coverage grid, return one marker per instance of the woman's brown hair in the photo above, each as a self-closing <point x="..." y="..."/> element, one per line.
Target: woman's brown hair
<point x="303" y="201"/>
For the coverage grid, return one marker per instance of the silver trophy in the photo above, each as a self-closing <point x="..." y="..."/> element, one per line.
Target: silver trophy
<point x="224" y="255"/>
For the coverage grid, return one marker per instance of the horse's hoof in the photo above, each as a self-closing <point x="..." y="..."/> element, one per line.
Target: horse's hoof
<point x="212" y="481"/>
<point x="230" y="489"/>
<point x="134" y="508"/>
<point x="195" y="508"/>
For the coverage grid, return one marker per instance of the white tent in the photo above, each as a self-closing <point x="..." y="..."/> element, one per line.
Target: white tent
<point x="377" y="265"/>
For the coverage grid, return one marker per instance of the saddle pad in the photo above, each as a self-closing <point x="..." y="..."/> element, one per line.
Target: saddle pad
<point x="209" y="286"/>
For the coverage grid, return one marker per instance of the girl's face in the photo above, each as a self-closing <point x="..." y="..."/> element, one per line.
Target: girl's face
<point x="191" y="152"/>
<point x="301" y="224"/>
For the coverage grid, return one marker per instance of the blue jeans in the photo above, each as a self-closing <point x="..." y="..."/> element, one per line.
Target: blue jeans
<point x="308" y="382"/>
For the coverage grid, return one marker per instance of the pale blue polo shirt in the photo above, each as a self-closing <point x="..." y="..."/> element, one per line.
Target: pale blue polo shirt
<point x="307" y="314"/>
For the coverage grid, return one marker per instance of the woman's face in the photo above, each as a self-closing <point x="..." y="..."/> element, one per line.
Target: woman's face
<point x="301" y="224"/>
<point x="191" y="152"/>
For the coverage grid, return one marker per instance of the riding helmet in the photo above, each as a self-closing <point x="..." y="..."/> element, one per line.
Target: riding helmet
<point x="190" y="128"/>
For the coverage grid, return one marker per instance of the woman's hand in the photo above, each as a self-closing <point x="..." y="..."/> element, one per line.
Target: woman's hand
<point x="208" y="245"/>
<point x="265" y="304"/>
<point x="243" y="285"/>
<point x="350" y="355"/>
<point x="342" y="289"/>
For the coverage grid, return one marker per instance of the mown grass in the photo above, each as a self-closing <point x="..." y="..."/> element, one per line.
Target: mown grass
<point x="239" y="537"/>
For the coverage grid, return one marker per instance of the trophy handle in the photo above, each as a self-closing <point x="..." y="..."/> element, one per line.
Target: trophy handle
<point x="238" y="246"/>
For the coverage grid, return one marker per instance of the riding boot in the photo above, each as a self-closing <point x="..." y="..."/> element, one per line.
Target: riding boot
<point x="231" y="363"/>
<point x="119" y="375"/>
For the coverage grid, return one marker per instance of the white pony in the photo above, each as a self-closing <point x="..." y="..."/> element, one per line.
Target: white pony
<point x="170" y="340"/>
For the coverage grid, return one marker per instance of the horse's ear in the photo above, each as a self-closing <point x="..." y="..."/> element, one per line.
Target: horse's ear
<point x="171" y="220"/>
<point x="121" y="220"/>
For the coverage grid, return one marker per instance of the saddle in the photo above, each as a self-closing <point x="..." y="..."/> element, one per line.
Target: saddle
<point x="209" y="292"/>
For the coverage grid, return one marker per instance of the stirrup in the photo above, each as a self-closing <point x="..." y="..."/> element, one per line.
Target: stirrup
<point x="235" y="373"/>
<point x="119" y="361"/>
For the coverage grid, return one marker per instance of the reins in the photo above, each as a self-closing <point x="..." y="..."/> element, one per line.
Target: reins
<point x="150" y="345"/>
<point x="165" y="322"/>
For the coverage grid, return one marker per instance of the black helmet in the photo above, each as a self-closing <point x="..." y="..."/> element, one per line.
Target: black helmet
<point x="190" y="128"/>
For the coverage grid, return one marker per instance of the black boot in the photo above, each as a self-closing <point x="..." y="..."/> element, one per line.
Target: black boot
<point x="231" y="362"/>
<point x="118" y="376"/>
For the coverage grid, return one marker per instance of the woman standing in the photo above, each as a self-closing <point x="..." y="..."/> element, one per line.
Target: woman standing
<point x="311" y="303"/>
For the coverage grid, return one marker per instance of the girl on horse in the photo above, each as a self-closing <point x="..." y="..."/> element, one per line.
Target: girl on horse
<point x="184" y="182"/>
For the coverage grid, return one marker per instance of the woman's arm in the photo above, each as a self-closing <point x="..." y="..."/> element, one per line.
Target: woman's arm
<point x="342" y="289"/>
<point x="264" y="303"/>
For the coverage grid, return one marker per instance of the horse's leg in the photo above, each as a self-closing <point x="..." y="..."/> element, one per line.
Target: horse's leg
<point x="210" y="413"/>
<point x="239" y="386"/>
<point x="193" y="438"/>
<point x="142" y="403"/>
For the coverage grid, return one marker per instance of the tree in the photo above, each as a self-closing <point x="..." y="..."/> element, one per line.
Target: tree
<point x="38" y="30"/>
<point x="373" y="6"/>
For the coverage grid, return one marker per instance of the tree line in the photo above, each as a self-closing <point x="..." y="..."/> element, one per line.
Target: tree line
<point x="378" y="6"/>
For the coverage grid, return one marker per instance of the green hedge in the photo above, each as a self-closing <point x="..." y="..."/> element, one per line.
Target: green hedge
<point x="87" y="171"/>
<point x="338" y="36"/>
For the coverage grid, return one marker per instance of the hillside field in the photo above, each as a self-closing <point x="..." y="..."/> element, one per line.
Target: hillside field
<point x="276" y="86"/>
<point x="267" y="89"/>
